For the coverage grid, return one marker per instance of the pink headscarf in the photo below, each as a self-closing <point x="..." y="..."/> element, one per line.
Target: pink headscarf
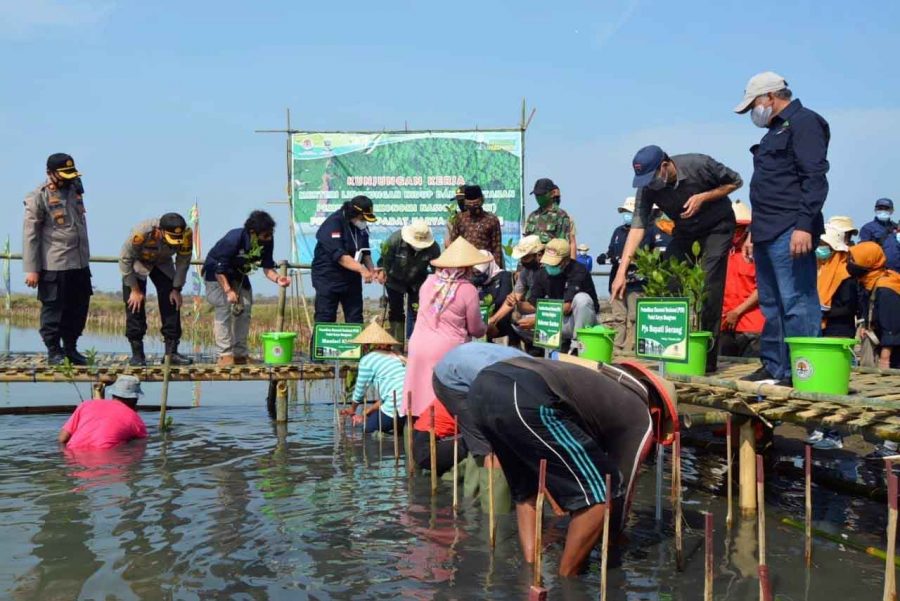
<point x="449" y="279"/>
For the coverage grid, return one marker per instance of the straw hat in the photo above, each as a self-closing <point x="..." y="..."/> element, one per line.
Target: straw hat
<point x="417" y="234"/>
<point x="843" y="224"/>
<point x="741" y="212"/>
<point x="834" y="238"/>
<point x="460" y="253"/>
<point x="374" y="334"/>
<point x="528" y="245"/>
<point x="628" y="205"/>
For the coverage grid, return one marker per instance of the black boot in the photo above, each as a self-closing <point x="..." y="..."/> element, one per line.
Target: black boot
<point x="138" y="359"/>
<point x="72" y="354"/>
<point x="175" y="358"/>
<point x="55" y="355"/>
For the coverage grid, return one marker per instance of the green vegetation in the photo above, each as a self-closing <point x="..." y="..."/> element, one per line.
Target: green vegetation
<point x="673" y="278"/>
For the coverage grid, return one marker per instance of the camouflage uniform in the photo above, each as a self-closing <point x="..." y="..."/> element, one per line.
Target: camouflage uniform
<point x="549" y="223"/>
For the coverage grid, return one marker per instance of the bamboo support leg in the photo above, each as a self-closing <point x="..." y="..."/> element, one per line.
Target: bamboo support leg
<point x="729" y="475"/>
<point x="280" y="401"/>
<point x="708" y="563"/>
<point x="765" y="586"/>
<point x="747" y="450"/>
<point x="98" y="390"/>
<point x="164" y="396"/>
<point x="807" y="551"/>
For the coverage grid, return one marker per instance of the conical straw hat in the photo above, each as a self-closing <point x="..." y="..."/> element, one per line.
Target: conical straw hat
<point x="374" y="334"/>
<point x="460" y="253"/>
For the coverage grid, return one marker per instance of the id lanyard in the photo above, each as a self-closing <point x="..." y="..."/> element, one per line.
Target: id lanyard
<point x="358" y="255"/>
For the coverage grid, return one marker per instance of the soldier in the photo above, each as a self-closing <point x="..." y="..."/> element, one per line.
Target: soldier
<point x="148" y="252"/>
<point x="549" y="221"/>
<point x="55" y="257"/>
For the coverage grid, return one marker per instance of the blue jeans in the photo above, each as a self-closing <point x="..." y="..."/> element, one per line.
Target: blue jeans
<point x="387" y="422"/>
<point x="788" y="300"/>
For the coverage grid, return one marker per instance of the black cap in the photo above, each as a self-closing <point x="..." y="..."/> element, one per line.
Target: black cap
<point x="362" y="206"/>
<point x="172" y="222"/>
<point x="543" y="186"/>
<point x="460" y="191"/>
<point x="63" y="165"/>
<point x="884" y="203"/>
<point x="473" y="192"/>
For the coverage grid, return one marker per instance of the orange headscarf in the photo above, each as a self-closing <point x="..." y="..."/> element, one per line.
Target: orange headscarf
<point x="832" y="273"/>
<point x="869" y="255"/>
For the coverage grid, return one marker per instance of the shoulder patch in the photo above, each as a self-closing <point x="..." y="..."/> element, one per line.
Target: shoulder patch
<point x="336" y="234"/>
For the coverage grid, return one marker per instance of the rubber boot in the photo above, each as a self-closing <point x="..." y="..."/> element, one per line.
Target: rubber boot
<point x="138" y="359"/>
<point x="396" y="330"/>
<point x="71" y="352"/>
<point x="176" y="358"/>
<point x="55" y="355"/>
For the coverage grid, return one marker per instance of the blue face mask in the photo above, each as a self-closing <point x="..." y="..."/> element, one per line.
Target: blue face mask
<point x="883" y="215"/>
<point x="823" y="253"/>
<point x="553" y="269"/>
<point x="627" y="217"/>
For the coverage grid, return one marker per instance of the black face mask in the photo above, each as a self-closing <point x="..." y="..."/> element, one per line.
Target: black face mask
<point x="75" y="184"/>
<point x="531" y="265"/>
<point x="476" y="211"/>
<point x="479" y="279"/>
<point x="855" y="270"/>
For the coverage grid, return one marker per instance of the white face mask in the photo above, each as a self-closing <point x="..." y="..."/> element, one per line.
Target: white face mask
<point x="761" y="115"/>
<point x="359" y="223"/>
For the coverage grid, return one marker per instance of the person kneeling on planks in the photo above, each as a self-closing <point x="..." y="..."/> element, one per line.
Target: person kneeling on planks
<point x="587" y="420"/>
<point x="381" y="366"/>
<point x="105" y="423"/>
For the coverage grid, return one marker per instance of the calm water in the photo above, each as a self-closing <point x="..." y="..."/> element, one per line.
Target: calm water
<point x="226" y="506"/>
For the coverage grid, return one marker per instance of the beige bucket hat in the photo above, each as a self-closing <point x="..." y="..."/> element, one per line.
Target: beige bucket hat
<point x="374" y="334"/>
<point x="417" y="234"/>
<point x="628" y="205"/>
<point x="460" y="253"/>
<point x="834" y="238"/>
<point x="843" y="224"/>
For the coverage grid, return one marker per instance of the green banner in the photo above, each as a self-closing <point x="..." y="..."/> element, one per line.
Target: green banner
<point x="331" y="341"/>
<point x="662" y="329"/>
<point x="408" y="175"/>
<point x="548" y="324"/>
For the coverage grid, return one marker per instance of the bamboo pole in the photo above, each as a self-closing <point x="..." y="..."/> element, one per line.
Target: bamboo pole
<point x="604" y="549"/>
<point x="280" y="401"/>
<point x="841" y="539"/>
<point x="362" y="429"/>
<point x="490" y="468"/>
<point x="660" y="460"/>
<point x="676" y="498"/>
<point x="282" y="296"/>
<point x="98" y="390"/>
<point x="890" y="572"/>
<point x="455" y="464"/>
<point x="432" y="447"/>
<point x="708" y="563"/>
<point x="729" y="484"/>
<point x="164" y="396"/>
<point x="396" y="430"/>
<point x="807" y="550"/>
<point x="538" y="592"/>
<point x="765" y="587"/>
<point x="747" y="451"/>
<point x="410" y="459"/>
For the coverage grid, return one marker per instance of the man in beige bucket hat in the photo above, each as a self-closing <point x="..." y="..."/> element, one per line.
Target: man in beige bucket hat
<point x="405" y="262"/>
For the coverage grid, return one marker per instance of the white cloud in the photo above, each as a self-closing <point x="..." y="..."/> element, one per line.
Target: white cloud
<point x="19" y="18"/>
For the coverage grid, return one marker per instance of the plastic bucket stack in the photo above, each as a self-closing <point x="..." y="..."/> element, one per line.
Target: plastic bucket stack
<point x="821" y="364"/>
<point x="597" y="343"/>
<point x="278" y="347"/>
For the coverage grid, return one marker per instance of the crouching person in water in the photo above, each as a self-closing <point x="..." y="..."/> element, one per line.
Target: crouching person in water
<point x="105" y="423"/>
<point x="443" y="433"/>
<point x="587" y="421"/>
<point x="385" y="369"/>
<point x="227" y="272"/>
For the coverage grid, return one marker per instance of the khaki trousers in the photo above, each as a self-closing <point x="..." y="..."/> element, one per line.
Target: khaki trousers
<point x="230" y="330"/>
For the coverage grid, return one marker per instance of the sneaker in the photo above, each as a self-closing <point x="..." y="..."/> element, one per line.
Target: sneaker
<point x="815" y="437"/>
<point x="885" y="449"/>
<point x="830" y="441"/>
<point x="786" y="382"/>
<point x="760" y="376"/>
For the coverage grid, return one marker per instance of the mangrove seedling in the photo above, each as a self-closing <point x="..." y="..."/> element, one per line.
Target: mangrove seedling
<point x="67" y="370"/>
<point x="673" y="278"/>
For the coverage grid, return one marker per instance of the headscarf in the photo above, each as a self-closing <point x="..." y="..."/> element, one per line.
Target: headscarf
<point x="449" y="280"/>
<point x="831" y="275"/>
<point x="870" y="256"/>
<point x="491" y="269"/>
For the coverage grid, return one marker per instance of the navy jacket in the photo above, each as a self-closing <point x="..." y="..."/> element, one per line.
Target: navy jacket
<point x="229" y="257"/>
<point x="789" y="186"/>
<point x="884" y="234"/>
<point x="335" y="238"/>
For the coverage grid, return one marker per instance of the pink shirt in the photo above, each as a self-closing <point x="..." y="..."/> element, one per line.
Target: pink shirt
<point x="102" y="424"/>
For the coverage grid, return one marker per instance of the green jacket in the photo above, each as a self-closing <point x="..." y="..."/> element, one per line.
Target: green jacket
<point x="405" y="267"/>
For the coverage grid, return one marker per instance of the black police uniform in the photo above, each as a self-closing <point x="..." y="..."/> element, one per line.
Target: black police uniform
<point x="334" y="284"/>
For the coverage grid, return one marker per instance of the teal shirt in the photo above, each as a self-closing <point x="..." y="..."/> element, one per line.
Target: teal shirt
<point x="386" y="372"/>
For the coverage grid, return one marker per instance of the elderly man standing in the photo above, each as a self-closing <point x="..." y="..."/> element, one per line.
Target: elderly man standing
<point x="55" y="257"/>
<point x="692" y="189"/>
<point x="479" y="227"/>
<point x="787" y="193"/>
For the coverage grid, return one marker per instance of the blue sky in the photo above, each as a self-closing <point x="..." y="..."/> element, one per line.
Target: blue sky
<point x="158" y="100"/>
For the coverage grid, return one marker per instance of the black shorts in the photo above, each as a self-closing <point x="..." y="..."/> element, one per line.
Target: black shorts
<point x="524" y="421"/>
<point x="457" y="404"/>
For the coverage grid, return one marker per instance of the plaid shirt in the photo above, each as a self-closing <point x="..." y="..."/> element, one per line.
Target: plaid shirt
<point x="483" y="233"/>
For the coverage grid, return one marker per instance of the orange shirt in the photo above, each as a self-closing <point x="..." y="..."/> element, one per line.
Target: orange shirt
<point x="443" y="421"/>
<point x="740" y="282"/>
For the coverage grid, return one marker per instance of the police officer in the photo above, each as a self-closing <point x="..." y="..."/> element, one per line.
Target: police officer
<point x="342" y="260"/>
<point x="148" y="252"/>
<point x="55" y="256"/>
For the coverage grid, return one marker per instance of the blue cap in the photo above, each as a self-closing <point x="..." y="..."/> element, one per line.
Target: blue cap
<point x="645" y="163"/>
<point x="884" y="203"/>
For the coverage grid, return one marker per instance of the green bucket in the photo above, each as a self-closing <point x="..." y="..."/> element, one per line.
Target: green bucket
<point x="698" y="344"/>
<point x="278" y="347"/>
<point x="597" y="343"/>
<point x="821" y="364"/>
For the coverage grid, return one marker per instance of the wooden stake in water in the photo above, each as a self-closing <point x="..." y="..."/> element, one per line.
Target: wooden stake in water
<point x="396" y="430"/>
<point x="432" y="447"/>
<point x="748" y="480"/>
<point x="765" y="587"/>
<point x="890" y="575"/>
<point x="604" y="549"/>
<point x="164" y="397"/>
<point x="729" y="454"/>
<point x="489" y="463"/>
<point x="410" y="458"/>
<point x="807" y="551"/>
<point x="708" y="580"/>
<point x="455" y="464"/>
<point x="660" y="460"/>
<point x="676" y="498"/>
<point x="364" y="416"/>
<point x="537" y="591"/>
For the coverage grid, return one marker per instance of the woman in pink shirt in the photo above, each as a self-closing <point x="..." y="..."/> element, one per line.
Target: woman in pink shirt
<point x="105" y="423"/>
<point x="449" y="315"/>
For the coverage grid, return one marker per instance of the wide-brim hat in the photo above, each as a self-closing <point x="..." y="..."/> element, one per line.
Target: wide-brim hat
<point x="843" y="224"/>
<point x="374" y="334"/>
<point x="834" y="238"/>
<point x="126" y="387"/>
<point x="460" y="253"/>
<point x="584" y="247"/>
<point x="417" y="234"/>
<point x="628" y="205"/>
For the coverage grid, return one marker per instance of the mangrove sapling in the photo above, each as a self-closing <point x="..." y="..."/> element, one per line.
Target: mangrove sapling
<point x="665" y="278"/>
<point x="67" y="370"/>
